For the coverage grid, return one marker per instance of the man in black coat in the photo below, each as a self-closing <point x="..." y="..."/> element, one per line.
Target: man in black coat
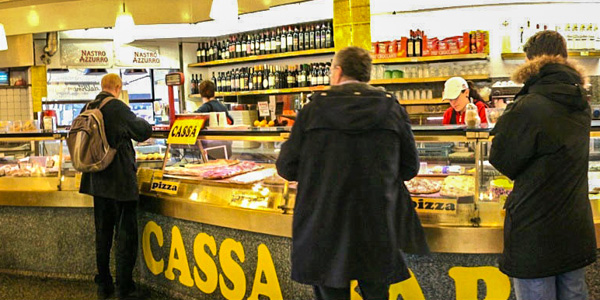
<point x="542" y="143"/>
<point x="351" y="149"/>
<point x="115" y="192"/>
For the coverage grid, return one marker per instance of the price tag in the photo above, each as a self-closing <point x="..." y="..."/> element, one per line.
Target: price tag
<point x="263" y="108"/>
<point x="185" y="131"/>
<point x="585" y="53"/>
<point x="435" y="206"/>
<point x="164" y="186"/>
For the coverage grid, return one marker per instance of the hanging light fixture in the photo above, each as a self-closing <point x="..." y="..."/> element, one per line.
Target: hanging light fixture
<point x="224" y="10"/>
<point x="3" y="44"/>
<point x="124" y="27"/>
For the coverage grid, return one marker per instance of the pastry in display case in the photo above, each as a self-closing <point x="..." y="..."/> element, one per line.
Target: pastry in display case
<point x="234" y="168"/>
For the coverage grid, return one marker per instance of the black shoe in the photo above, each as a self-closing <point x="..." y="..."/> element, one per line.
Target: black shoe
<point x="105" y="288"/>
<point x="134" y="294"/>
<point x="105" y="291"/>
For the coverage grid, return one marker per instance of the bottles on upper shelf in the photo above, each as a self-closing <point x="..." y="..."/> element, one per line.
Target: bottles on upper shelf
<point x="267" y="77"/>
<point x="268" y="41"/>
<point x="579" y="36"/>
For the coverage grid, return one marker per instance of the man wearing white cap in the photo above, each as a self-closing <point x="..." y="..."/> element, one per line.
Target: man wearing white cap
<point x="456" y="90"/>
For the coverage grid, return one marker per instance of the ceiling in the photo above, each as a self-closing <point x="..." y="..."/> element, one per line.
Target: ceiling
<point x="36" y="16"/>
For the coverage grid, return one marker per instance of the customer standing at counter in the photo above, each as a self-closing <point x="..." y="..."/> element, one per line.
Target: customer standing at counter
<point x="210" y="104"/>
<point x="460" y="93"/>
<point x="115" y="192"/>
<point x="542" y="143"/>
<point x="350" y="150"/>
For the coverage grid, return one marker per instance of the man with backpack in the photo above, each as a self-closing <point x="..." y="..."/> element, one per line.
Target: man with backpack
<point x="115" y="190"/>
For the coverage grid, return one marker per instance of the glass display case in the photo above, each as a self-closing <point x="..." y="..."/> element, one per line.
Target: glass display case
<point x="233" y="168"/>
<point x="31" y="161"/>
<point x="456" y="185"/>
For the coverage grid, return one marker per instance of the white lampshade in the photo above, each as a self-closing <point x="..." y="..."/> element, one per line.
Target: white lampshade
<point x="224" y="10"/>
<point x="3" y="44"/>
<point x="124" y="27"/>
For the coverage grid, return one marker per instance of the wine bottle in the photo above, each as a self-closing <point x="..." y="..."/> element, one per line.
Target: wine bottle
<point x="323" y="36"/>
<point x="317" y="37"/>
<point x="312" y="37"/>
<point x="306" y="37"/>
<point x="301" y="39"/>
<point x="267" y="43"/>
<point x="290" y="40"/>
<point x="328" y="37"/>
<point x="295" y="43"/>
<point x="283" y="40"/>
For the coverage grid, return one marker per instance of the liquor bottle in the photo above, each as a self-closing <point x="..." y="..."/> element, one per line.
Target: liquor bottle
<point x="301" y="39"/>
<point x="306" y="37"/>
<point x="295" y="43"/>
<point x="418" y="43"/>
<point x="227" y="82"/>
<point x="276" y="77"/>
<point x="199" y="53"/>
<point x="327" y="74"/>
<point x="257" y="44"/>
<point x="209" y="52"/>
<point x="302" y="77"/>
<point x="244" y="83"/>
<point x="214" y="80"/>
<point x="283" y="40"/>
<point x="193" y="85"/>
<point x="313" y="75"/>
<point x="227" y="50"/>
<point x="238" y="47"/>
<point x="323" y="36"/>
<point x="237" y="80"/>
<point x="267" y="43"/>
<point x="290" y="40"/>
<point x="259" y="79"/>
<point x="271" y="78"/>
<point x="198" y="81"/>
<point x="262" y="44"/>
<point x="328" y="37"/>
<point x="277" y="38"/>
<point x="320" y="74"/>
<point x="250" y="45"/>
<point x="244" y="46"/>
<point x="317" y="37"/>
<point x="274" y="40"/>
<point x="410" y="45"/>
<point x="265" y="78"/>
<point x="312" y="37"/>
<point x="289" y="78"/>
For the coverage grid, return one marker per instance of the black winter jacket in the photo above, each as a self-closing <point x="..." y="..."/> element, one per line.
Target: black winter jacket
<point x="351" y="149"/>
<point x="542" y="143"/>
<point x="118" y="181"/>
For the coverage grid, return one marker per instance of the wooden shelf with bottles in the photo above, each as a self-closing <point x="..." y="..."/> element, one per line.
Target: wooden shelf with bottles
<point x="423" y="101"/>
<point x="574" y="54"/>
<point x="254" y="58"/>
<point x="438" y="58"/>
<point x="269" y="92"/>
<point x="425" y="80"/>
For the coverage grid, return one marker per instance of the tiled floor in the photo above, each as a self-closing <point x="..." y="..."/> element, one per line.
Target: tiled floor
<point x="14" y="287"/>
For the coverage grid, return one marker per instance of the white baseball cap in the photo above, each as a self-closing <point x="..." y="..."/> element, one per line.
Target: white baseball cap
<point x="453" y="87"/>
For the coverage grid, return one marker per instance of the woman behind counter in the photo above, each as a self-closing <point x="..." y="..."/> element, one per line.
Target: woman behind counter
<point x="207" y="91"/>
<point x="460" y="93"/>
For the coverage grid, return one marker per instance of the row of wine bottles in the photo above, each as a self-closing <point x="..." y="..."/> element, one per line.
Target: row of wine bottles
<point x="265" y="77"/>
<point x="279" y="40"/>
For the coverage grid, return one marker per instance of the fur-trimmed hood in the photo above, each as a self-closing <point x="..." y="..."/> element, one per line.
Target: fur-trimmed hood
<point x="533" y="67"/>
<point x="554" y="78"/>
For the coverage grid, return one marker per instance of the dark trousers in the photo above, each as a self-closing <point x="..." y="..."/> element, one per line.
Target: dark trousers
<point x="369" y="291"/>
<point x="118" y="218"/>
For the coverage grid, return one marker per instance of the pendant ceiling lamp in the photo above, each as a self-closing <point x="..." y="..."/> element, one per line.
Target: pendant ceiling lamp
<point x="124" y="27"/>
<point x="3" y="44"/>
<point x="224" y="10"/>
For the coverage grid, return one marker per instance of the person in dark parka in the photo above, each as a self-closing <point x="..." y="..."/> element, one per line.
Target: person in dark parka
<point x="115" y="192"/>
<point x="542" y="143"/>
<point x="351" y="149"/>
